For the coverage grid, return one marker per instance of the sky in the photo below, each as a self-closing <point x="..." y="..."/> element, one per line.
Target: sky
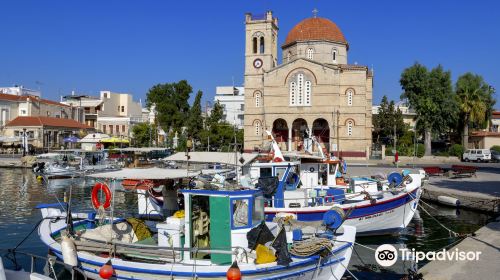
<point x="129" y="46"/>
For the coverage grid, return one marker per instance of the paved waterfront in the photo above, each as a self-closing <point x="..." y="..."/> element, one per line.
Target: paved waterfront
<point x="486" y="241"/>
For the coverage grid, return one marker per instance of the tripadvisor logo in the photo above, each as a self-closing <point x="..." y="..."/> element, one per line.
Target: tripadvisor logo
<point x="387" y="255"/>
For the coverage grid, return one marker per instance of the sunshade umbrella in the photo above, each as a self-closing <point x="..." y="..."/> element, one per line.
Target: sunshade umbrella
<point x="71" y="139"/>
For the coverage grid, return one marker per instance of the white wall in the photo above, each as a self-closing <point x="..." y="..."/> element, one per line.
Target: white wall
<point x="232" y="103"/>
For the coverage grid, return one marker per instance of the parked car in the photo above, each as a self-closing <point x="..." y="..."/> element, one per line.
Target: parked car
<point x="495" y="156"/>
<point x="477" y="155"/>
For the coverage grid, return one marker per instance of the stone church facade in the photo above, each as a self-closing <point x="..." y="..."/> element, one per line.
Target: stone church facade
<point x="313" y="92"/>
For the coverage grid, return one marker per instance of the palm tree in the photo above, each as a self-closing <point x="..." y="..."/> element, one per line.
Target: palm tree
<point x="472" y="94"/>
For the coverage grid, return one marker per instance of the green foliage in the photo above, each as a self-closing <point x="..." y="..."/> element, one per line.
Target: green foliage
<point x="194" y="122"/>
<point x="495" y="148"/>
<point x="456" y="150"/>
<point x="420" y="150"/>
<point x="387" y="118"/>
<point x="144" y="134"/>
<point x="442" y="154"/>
<point x="476" y="101"/>
<point x="215" y="115"/>
<point x="171" y="100"/>
<point x="430" y="94"/>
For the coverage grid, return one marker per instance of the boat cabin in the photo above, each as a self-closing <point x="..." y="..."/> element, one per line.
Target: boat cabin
<point x="217" y="220"/>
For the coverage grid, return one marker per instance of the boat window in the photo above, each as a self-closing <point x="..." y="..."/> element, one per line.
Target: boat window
<point x="266" y="172"/>
<point x="332" y="168"/>
<point x="258" y="210"/>
<point x="280" y="171"/>
<point x="240" y="212"/>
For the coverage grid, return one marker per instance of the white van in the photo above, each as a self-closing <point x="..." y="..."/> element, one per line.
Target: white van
<point x="477" y="155"/>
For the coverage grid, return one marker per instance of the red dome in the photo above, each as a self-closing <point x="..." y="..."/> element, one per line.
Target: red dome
<point x="315" y="29"/>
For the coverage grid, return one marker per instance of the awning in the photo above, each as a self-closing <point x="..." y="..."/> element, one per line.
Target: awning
<point x="213" y="157"/>
<point x="115" y="140"/>
<point x="154" y="173"/>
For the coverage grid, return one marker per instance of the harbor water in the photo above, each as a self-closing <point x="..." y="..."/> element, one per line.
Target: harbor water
<point x="20" y="192"/>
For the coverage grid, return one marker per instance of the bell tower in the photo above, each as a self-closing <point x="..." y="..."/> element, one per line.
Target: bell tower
<point x="261" y="55"/>
<point x="261" y="46"/>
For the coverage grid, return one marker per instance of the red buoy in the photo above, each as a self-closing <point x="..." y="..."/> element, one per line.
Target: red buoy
<point x="106" y="270"/>
<point x="233" y="273"/>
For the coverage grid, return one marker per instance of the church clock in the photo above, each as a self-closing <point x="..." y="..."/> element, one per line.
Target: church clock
<point x="257" y="63"/>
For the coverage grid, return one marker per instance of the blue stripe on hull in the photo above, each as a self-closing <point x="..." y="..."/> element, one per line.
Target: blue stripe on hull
<point x="357" y="212"/>
<point x="252" y="273"/>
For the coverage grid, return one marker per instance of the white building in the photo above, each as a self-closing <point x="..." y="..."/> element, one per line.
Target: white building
<point x="20" y="91"/>
<point x="233" y="101"/>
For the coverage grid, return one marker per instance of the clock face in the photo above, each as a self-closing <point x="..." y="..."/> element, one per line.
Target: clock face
<point x="257" y="63"/>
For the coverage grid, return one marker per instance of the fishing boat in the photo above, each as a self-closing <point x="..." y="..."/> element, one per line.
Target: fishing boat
<point x="220" y="233"/>
<point x="374" y="206"/>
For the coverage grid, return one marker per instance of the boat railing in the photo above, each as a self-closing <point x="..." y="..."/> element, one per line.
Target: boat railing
<point x="50" y="261"/>
<point x="155" y="250"/>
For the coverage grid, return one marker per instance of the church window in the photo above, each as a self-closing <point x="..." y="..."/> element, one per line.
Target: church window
<point x="257" y="99"/>
<point x="349" y="128"/>
<point x="334" y="55"/>
<point x="293" y="93"/>
<point x="257" y="128"/>
<point x="254" y="45"/>
<point x="261" y="44"/>
<point x="310" y="53"/>
<point x="307" y="98"/>
<point x="300" y="90"/>
<point x="349" y="97"/>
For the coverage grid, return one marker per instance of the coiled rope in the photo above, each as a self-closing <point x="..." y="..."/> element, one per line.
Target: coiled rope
<point x="311" y="246"/>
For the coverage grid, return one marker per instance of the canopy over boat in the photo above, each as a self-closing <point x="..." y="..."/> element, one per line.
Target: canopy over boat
<point x="145" y="174"/>
<point x="214" y="157"/>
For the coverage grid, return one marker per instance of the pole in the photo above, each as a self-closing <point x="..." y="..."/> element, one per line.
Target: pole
<point x="338" y="135"/>
<point x="24" y="142"/>
<point x="396" y="158"/>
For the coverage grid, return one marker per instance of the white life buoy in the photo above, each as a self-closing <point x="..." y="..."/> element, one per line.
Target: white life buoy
<point x="311" y="169"/>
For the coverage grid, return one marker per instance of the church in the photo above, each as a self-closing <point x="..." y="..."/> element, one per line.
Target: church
<point x="313" y="94"/>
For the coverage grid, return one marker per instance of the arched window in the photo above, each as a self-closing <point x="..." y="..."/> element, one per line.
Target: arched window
<point x="300" y="90"/>
<point x="261" y="44"/>
<point x="254" y="45"/>
<point x="334" y="55"/>
<point x="350" y="124"/>
<point x="310" y="53"/>
<point x="307" y="98"/>
<point x="257" y="99"/>
<point x="349" y="97"/>
<point x="293" y="93"/>
<point x="257" y="127"/>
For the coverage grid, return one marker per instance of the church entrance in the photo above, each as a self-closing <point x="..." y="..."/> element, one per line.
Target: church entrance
<point x="280" y="132"/>
<point x="321" y="131"/>
<point x="300" y="132"/>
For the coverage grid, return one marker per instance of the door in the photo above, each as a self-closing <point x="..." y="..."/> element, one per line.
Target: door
<point x="220" y="229"/>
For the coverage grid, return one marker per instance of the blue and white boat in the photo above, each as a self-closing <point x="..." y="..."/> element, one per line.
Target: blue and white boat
<point x="217" y="230"/>
<point x="306" y="190"/>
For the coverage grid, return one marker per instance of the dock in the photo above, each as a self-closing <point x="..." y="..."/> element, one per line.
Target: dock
<point x="486" y="241"/>
<point x="480" y="192"/>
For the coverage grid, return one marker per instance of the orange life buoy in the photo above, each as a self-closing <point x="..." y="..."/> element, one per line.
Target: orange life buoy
<point x="95" y="199"/>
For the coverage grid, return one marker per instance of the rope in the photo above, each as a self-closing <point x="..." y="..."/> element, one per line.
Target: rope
<point x="310" y="247"/>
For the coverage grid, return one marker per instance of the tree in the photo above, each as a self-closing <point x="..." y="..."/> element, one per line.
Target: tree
<point x="215" y="115"/>
<point x="430" y="95"/>
<point x="194" y="122"/>
<point x="144" y="134"/>
<point x="171" y="100"/>
<point x="387" y="118"/>
<point x="475" y="98"/>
